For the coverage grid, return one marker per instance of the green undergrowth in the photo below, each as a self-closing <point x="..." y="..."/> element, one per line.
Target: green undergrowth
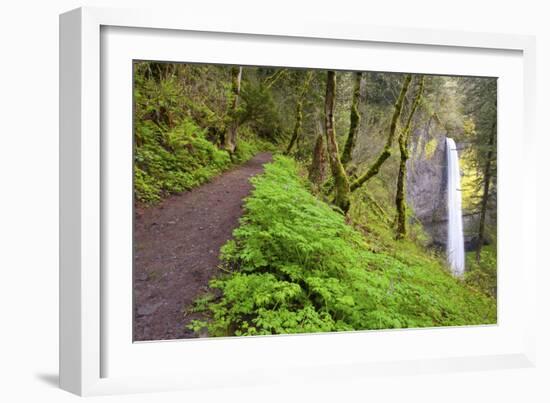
<point x="178" y="131"/>
<point x="181" y="158"/>
<point x="483" y="274"/>
<point x="296" y="266"/>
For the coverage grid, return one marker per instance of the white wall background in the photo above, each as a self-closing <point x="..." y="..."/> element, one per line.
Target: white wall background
<point x="29" y="201"/>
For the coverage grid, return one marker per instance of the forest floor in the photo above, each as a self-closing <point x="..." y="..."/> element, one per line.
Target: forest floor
<point x="176" y="248"/>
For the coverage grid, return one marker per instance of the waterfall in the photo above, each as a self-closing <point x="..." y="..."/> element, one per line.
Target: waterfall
<point x="455" y="236"/>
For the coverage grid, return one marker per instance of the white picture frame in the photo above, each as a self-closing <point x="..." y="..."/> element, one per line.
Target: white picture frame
<point x="93" y="346"/>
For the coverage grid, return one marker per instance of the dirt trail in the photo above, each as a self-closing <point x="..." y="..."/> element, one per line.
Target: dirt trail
<point x="176" y="246"/>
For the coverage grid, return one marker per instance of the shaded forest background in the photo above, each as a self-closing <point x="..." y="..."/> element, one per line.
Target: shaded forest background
<point x="330" y="239"/>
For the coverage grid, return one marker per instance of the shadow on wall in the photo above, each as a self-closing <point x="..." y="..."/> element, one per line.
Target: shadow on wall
<point x="49" y="379"/>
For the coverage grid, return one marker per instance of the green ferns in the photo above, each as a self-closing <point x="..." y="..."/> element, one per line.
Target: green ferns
<point x="174" y="160"/>
<point x="170" y="161"/>
<point x="296" y="266"/>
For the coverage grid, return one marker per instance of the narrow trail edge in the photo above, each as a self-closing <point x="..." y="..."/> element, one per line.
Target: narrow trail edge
<point x="176" y="248"/>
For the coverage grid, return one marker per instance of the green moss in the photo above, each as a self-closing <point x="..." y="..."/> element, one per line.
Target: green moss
<point x="354" y="121"/>
<point x="429" y="148"/>
<point x="297" y="127"/>
<point x="341" y="181"/>
<point x="372" y="171"/>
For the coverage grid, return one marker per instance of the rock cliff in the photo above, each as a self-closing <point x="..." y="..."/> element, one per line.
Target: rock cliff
<point x="427" y="183"/>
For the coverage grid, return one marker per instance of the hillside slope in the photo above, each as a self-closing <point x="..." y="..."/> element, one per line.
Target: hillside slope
<point x="296" y="266"/>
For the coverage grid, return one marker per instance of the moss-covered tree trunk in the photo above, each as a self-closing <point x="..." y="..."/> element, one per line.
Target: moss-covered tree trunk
<point x="317" y="168"/>
<point x="297" y="126"/>
<point x="385" y="154"/>
<point x="299" y="112"/>
<point x="341" y="182"/>
<point x="404" y="137"/>
<point x="272" y="79"/>
<point x="486" y="186"/>
<point x="355" y="118"/>
<point x="232" y="127"/>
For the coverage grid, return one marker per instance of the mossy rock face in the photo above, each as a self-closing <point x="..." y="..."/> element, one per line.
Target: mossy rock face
<point x="427" y="180"/>
<point x="430" y="148"/>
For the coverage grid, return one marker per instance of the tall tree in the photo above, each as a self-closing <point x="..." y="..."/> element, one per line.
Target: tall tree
<point x="230" y="138"/>
<point x="385" y="154"/>
<point x="299" y="107"/>
<point x="487" y="177"/>
<point x="482" y="109"/>
<point x="341" y="182"/>
<point x="355" y="118"/>
<point x="403" y="140"/>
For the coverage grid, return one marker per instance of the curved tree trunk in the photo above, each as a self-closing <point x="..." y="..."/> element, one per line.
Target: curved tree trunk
<point x="354" y="120"/>
<point x="485" y="199"/>
<point x="297" y="126"/>
<point x="269" y="81"/>
<point x="230" y="138"/>
<point x="341" y="182"/>
<point x="375" y="167"/>
<point x="400" y="202"/>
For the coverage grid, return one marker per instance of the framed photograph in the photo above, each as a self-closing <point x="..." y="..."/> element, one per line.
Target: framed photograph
<point x="243" y="203"/>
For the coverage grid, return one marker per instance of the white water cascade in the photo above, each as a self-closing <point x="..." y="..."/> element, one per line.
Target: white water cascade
<point x="455" y="236"/>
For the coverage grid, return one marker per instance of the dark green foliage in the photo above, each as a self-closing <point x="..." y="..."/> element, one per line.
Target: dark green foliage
<point x="176" y="95"/>
<point x="482" y="273"/>
<point x="482" y="134"/>
<point x="259" y="111"/>
<point x="298" y="267"/>
<point x="177" y="129"/>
